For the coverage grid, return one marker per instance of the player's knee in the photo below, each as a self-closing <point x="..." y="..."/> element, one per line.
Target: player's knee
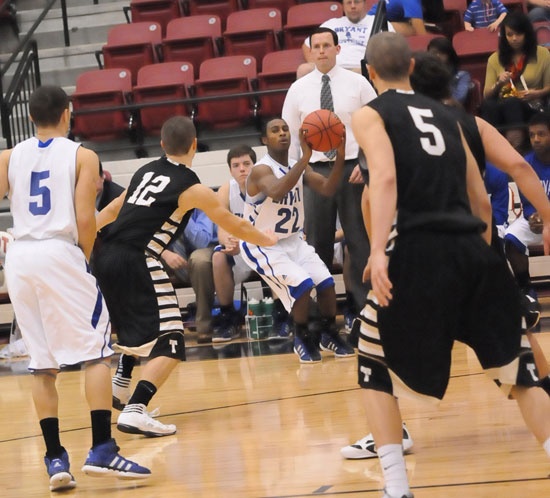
<point x="219" y="261"/>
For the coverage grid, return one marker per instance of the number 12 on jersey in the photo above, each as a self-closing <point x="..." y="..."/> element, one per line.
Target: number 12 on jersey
<point x="147" y="186"/>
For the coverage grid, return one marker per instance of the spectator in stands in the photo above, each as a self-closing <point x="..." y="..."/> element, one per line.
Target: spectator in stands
<point x="527" y="229"/>
<point x="190" y="258"/>
<point x="353" y="30"/>
<point x="484" y="14"/>
<point x="496" y="183"/>
<point x="348" y="92"/>
<point x="539" y="10"/>
<point x="518" y="77"/>
<point x="405" y="15"/>
<point x="462" y="81"/>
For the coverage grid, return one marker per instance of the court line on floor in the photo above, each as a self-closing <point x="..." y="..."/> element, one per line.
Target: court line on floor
<point x="213" y="408"/>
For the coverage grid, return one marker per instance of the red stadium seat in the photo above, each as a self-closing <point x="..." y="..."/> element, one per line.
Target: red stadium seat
<point x="515" y="5"/>
<point x="100" y="89"/>
<point x="252" y="32"/>
<point x="303" y="19"/>
<point x="132" y="46"/>
<point x="474" y="98"/>
<point x="221" y="8"/>
<point x="161" y="11"/>
<point x="279" y="71"/>
<point x="420" y="42"/>
<point x="282" y="5"/>
<point x="453" y="13"/>
<point x="192" y="39"/>
<point x="226" y="75"/>
<point x="474" y="48"/>
<point x="158" y="82"/>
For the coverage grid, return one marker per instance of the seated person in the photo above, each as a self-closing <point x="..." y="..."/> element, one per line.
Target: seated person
<point x="353" y="30"/>
<point x="496" y="183"/>
<point x="484" y="14"/>
<point x="228" y="266"/>
<point x="539" y="10"/>
<point x="405" y="15"/>
<point x="525" y="231"/>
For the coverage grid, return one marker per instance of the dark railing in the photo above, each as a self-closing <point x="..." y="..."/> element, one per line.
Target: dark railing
<point x="14" y="101"/>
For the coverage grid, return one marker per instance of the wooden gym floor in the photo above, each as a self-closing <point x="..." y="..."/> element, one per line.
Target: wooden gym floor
<point x="264" y="426"/>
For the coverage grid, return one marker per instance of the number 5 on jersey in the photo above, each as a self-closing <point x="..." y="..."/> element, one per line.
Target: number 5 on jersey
<point x="42" y="205"/>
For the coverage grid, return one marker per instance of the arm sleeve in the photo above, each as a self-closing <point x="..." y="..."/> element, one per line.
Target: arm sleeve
<point x="412" y="9"/>
<point x="491" y="73"/>
<point x="501" y="9"/>
<point x="199" y="231"/>
<point x="468" y="17"/>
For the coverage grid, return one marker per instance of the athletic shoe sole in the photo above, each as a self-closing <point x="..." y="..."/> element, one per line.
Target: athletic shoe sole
<point x="94" y="471"/>
<point x="337" y="355"/>
<point x="62" y="480"/>
<point x="130" y="429"/>
<point x="306" y="361"/>
<point x="221" y="339"/>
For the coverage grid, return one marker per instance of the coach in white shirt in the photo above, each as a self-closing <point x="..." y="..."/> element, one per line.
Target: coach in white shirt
<point x="348" y="92"/>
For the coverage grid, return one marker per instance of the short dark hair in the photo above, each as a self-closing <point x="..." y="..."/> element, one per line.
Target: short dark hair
<point x="47" y="104"/>
<point x="390" y="55"/>
<point x="324" y="30"/>
<point x="540" y="118"/>
<point x="520" y="23"/>
<point x="177" y="135"/>
<point x="265" y="123"/>
<point x="443" y="45"/>
<point x="239" y="151"/>
<point x="430" y="76"/>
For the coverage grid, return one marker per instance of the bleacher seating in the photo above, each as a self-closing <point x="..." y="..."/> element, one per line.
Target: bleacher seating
<point x="302" y="19"/>
<point x="515" y="5"/>
<point x="221" y="76"/>
<point x="453" y="14"/>
<point x="474" y="98"/>
<point x="474" y="48"/>
<point x="420" y="42"/>
<point x="221" y="8"/>
<point x="132" y="46"/>
<point x="279" y="71"/>
<point x="252" y="32"/>
<point x="192" y="39"/>
<point x="100" y="89"/>
<point x="282" y="5"/>
<point x="161" y="11"/>
<point x="158" y="82"/>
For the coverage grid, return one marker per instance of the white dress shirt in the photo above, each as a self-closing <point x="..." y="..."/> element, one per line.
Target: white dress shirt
<point x="350" y="91"/>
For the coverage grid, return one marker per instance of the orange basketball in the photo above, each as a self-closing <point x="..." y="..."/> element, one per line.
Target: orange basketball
<point x="324" y="130"/>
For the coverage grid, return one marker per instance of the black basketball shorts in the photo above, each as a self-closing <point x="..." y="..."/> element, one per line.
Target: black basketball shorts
<point x="142" y="302"/>
<point x="446" y="287"/>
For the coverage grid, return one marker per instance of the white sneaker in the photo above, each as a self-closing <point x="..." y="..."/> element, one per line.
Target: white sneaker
<point x="365" y="448"/>
<point x="408" y="495"/>
<point x="134" y="422"/>
<point x="121" y="396"/>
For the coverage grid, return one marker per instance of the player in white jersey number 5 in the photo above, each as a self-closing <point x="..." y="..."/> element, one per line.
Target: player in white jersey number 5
<point x="274" y="200"/>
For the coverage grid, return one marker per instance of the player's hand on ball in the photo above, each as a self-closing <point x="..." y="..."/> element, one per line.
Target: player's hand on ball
<point x="535" y="223"/>
<point x="304" y="144"/>
<point x="341" y="149"/>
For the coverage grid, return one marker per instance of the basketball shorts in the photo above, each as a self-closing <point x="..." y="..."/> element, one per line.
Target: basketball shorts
<point x="290" y="268"/>
<point x="521" y="236"/>
<point x="446" y="287"/>
<point x="58" y="305"/>
<point x="142" y="302"/>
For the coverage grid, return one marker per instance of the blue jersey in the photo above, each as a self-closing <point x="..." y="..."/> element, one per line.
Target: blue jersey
<point x="401" y="10"/>
<point x="480" y="15"/>
<point x="496" y="183"/>
<point x="543" y="172"/>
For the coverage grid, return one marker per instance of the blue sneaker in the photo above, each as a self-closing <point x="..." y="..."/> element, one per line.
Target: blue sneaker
<point x="280" y="330"/>
<point x="348" y="320"/>
<point x="228" y="328"/>
<point x="307" y="349"/>
<point x="58" y="470"/>
<point x="104" y="459"/>
<point x="335" y="344"/>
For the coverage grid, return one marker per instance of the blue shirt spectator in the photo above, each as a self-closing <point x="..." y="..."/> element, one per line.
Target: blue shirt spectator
<point x="496" y="183"/>
<point x="484" y="14"/>
<point x="543" y="172"/>
<point x="406" y="16"/>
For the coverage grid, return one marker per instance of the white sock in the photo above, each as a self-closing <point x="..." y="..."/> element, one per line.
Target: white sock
<point x="394" y="470"/>
<point x="546" y="446"/>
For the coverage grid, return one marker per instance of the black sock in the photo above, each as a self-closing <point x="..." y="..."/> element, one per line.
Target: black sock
<point x="143" y="393"/>
<point x="328" y="325"/>
<point x="125" y="366"/>
<point x="545" y="384"/>
<point x="101" y="426"/>
<point x="50" y="431"/>
<point x="301" y="330"/>
<point x="350" y="302"/>
<point x="226" y="309"/>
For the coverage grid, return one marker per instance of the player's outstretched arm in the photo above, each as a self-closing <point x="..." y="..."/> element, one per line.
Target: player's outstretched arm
<point x="328" y="186"/>
<point x="479" y="200"/>
<point x="110" y="212"/>
<point x="500" y="153"/>
<point x="4" y="162"/>
<point x="87" y="171"/>
<point x="201" y="197"/>
<point x="372" y="137"/>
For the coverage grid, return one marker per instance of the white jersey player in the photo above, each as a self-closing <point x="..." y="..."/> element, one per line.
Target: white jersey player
<point x="274" y="199"/>
<point x="61" y="312"/>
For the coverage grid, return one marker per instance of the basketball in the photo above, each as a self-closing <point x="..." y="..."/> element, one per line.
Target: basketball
<point x="324" y="130"/>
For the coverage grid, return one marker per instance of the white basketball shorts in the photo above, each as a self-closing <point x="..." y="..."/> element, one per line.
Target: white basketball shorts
<point x="519" y="234"/>
<point x="57" y="302"/>
<point x="290" y="268"/>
